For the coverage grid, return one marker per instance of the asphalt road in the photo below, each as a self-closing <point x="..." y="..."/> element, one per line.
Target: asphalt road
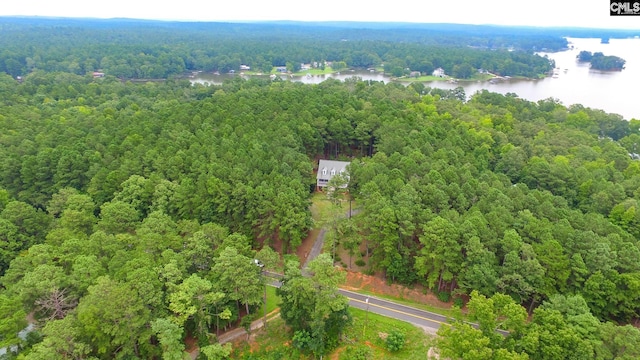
<point x="431" y="322"/>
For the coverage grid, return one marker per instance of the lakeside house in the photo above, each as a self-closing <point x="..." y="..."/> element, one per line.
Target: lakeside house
<point x="439" y="72"/>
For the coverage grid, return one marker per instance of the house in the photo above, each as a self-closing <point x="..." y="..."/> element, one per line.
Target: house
<point x="439" y="72"/>
<point x="328" y="169"/>
<point x="414" y="74"/>
<point x="245" y="67"/>
<point x="98" y="74"/>
<point x="281" y="69"/>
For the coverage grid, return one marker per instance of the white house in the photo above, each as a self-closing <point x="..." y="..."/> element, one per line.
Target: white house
<point x="328" y="169"/>
<point x="439" y="72"/>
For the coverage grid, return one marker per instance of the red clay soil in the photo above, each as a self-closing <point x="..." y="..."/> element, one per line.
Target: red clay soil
<point x="190" y="343"/>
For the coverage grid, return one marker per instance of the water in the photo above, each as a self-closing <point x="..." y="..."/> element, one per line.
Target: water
<point x="575" y="83"/>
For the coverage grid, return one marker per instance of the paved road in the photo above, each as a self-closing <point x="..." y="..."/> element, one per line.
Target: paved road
<point x="429" y="321"/>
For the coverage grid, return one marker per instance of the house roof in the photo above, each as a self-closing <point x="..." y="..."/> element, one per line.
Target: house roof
<point x="331" y="165"/>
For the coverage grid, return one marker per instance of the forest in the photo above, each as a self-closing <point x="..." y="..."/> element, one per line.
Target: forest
<point x="132" y="213"/>
<point x="157" y="50"/>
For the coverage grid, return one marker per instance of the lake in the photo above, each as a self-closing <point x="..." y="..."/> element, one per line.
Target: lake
<point x="575" y="83"/>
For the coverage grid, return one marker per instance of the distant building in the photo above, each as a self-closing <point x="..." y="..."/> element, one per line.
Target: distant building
<point x="328" y="169"/>
<point x="281" y="69"/>
<point x="414" y="74"/>
<point x="245" y="67"/>
<point x="98" y="74"/>
<point x="439" y="72"/>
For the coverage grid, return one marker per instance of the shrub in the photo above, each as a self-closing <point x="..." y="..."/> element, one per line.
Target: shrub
<point x="395" y="341"/>
<point x="360" y="262"/>
<point x="301" y="340"/>
<point x="444" y="296"/>
<point x="360" y="352"/>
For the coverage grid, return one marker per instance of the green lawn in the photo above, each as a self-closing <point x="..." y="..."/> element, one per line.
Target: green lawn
<point x="322" y="209"/>
<point x="272" y="299"/>
<point x="327" y="70"/>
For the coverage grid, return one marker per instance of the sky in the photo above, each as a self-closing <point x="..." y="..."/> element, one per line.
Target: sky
<point x="583" y="13"/>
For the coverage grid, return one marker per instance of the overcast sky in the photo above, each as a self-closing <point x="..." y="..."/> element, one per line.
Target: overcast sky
<point x="583" y="13"/>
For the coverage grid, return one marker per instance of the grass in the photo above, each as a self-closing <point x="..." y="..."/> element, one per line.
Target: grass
<point x="322" y="210"/>
<point x="272" y="299"/>
<point x="327" y="70"/>
<point x="480" y="77"/>
<point x="270" y="343"/>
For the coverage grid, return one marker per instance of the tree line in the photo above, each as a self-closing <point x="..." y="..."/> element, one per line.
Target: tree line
<point x="159" y="50"/>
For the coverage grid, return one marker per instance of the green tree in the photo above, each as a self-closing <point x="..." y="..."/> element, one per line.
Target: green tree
<point x="114" y="320"/>
<point x="462" y="341"/>
<point x="215" y="352"/>
<point x="170" y="336"/>
<point x="117" y="217"/>
<point x="62" y="339"/>
<point x="618" y="342"/>
<point x="312" y="304"/>
<point x="12" y="320"/>
<point x="239" y="277"/>
<point x="191" y="301"/>
<point x="440" y="257"/>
